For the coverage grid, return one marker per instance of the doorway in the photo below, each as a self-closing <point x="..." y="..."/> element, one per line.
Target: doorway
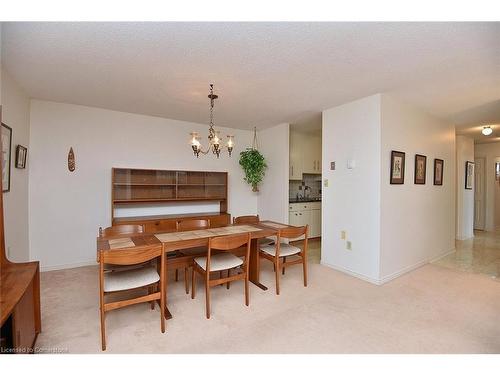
<point x="479" y="193"/>
<point x="496" y="216"/>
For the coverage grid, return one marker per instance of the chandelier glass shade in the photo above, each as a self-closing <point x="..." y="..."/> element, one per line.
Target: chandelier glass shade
<point x="215" y="144"/>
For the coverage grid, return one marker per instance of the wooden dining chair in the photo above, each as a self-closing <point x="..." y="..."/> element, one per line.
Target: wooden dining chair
<point x="116" y="230"/>
<point x="223" y="261"/>
<point x="185" y="256"/>
<point x="278" y="252"/>
<point x="121" y="229"/>
<point x="252" y="219"/>
<point x="144" y="277"/>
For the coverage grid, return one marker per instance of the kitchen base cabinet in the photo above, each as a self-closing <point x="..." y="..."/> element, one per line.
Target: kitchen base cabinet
<point x="309" y="213"/>
<point x="315" y="229"/>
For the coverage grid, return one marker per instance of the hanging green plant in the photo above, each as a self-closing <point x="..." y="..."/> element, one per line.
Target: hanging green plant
<point x="254" y="165"/>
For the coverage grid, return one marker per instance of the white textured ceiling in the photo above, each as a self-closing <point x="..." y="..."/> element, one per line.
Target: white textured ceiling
<point x="265" y="73"/>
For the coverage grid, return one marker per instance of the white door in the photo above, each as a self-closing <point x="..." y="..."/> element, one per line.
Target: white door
<point x="479" y="193"/>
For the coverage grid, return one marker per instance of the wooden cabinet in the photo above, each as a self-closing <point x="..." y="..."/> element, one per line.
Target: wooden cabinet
<point x="19" y="306"/>
<point x="307" y="213"/>
<point x="137" y="186"/>
<point x="296" y="167"/>
<point x="153" y="224"/>
<point x="305" y="154"/>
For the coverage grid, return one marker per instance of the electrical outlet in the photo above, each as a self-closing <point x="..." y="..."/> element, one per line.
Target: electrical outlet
<point x="325" y="182"/>
<point x="348" y="245"/>
<point x="342" y="235"/>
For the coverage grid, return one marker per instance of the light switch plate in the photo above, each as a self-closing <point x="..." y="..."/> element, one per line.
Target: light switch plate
<point x="332" y="165"/>
<point x="325" y="182"/>
<point x="348" y="245"/>
<point x="342" y="234"/>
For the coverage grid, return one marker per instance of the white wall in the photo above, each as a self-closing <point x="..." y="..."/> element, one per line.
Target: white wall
<point x="16" y="114"/>
<point x="351" y="202"/>
<point x="417" y="221"/>
<point x="465" y="198"/>
<point x="272" y="201"/>
<point x="490" y="151"/>
<point x="392" y="228"/>
<point x="67" y="208"/>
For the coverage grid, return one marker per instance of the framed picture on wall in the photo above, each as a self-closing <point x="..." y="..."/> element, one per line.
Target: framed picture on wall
<point x="397" y="167"/>
<point x="438" y="171"/>
<point x="6" y="152"/>
<point x="21" y="153"/>
<point x="469" y="175"/>
<point x="420" y="169"/>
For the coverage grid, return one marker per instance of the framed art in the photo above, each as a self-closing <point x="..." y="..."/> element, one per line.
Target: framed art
<point x="420" y="169"/>
<point x="469" y="175"/>
<point x="438" y="171"/>
<point x="6" y="152"/>
<point x="21" y="153"/>
<point x="397" y="167"/>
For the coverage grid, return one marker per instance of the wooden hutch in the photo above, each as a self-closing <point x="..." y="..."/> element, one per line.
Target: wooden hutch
<point x="136" y="187"/>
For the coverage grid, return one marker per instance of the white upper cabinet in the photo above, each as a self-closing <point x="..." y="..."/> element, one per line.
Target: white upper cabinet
<point x="295" y="156"/>
<point x="305" y="154"/>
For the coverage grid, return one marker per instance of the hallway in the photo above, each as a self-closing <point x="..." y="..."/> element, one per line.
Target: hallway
<point x="480" y="255"/>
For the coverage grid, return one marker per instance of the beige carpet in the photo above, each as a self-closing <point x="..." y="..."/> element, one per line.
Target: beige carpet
<point x="430" y="310"/>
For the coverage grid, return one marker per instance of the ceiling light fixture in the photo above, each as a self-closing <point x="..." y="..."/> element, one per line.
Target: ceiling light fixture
<point x="214" y="141"/>
<point x="487" y="130"/>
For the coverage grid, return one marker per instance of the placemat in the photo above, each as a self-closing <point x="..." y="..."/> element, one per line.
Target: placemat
<point x="119" y="243"/>
<point x="205" y="233"/>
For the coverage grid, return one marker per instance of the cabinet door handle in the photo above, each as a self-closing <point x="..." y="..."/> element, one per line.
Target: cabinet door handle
<point x="292" y="170"/>
<point x="315" y="165"/>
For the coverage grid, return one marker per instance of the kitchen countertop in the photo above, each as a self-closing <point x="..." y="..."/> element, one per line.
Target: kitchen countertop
<point x="305" y="200"/>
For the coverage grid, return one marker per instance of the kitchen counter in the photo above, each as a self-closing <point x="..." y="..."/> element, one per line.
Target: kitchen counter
<point x="305" y="200"/>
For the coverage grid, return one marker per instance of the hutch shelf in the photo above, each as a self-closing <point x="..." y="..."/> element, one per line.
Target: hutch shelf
<point x="136" y="186"/>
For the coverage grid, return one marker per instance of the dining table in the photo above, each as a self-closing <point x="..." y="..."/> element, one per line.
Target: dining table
<point x="173" y="241"/>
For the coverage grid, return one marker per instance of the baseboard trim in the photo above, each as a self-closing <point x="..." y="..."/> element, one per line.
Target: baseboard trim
<point x="393" y="275"/>
<point x="351" y="273"/>
<point x="464" y="238"/>
<point x="439" y="257"/>
<point x="58" y="267"/>
<point x="401" y="272"/>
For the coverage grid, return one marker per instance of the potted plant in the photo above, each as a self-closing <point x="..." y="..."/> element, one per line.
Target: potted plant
<point x="254" y="166"/>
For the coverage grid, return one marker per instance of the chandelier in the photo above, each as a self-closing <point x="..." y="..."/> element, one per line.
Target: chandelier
<point x="214" y="141"/>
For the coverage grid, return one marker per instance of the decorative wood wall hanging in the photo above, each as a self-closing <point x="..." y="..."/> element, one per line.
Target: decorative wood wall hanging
<point x="71" y="160"/>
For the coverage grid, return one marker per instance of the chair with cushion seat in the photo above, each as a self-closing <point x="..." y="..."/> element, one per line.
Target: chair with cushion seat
<point x="278" y="252"/>
<point x="140" y="278"/>
<point x="222" y="261"/>
<point x="252" y="219"/>
<point x="117" y="230"/>
<point x="185" y="256"/>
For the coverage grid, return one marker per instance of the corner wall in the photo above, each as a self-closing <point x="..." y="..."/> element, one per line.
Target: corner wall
<point x="16" y="114"/>
<point x="272" y="200"/>
<point x="465" y="198"/>
<point x="417" y="221"/>
<point x="392" y="228"/>
<point x="351" y="202"/>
